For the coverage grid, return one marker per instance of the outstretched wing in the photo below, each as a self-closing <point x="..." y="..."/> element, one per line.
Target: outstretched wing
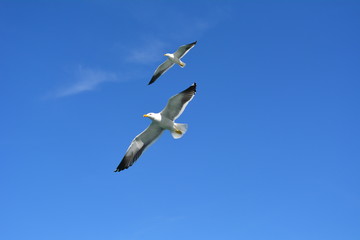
<point x="177" y="104"/>
<point x="184" y="50"/>
<point x="139" y="145"/>
<point x="161" y="69"/>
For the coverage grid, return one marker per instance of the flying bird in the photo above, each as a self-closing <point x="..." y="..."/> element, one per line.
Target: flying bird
<point x="164" y="120"/>
<point x="172" y="59"/>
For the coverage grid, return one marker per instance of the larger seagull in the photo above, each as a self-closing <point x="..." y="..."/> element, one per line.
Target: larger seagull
<point x="172" y="59"/>
<point x="161" y="121"/>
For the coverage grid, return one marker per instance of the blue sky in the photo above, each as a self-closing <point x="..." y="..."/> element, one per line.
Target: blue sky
<point x="272" y="150"/>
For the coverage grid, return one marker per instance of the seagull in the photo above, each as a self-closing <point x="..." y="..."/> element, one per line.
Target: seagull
<point x="161" y="121"/>
<point x="172" y="59"/>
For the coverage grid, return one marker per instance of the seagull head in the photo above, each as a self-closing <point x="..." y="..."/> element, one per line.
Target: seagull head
<point x="153" y="116"/>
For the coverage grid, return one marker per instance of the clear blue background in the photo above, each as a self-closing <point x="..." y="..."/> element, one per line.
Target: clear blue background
<point x="272" y="150"/>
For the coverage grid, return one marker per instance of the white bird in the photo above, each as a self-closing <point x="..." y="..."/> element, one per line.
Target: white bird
<point x="172" y="59"/>
<point x="161" y="121"/>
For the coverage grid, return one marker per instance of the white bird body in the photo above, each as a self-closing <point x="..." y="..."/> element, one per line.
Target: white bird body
<point x="174" y="59"/>
<point x="177" y="129"/>
<point x="167" y="123"/>
<point x="161" y="121"/>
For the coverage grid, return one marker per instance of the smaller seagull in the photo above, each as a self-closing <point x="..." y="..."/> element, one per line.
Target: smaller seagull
<point x="172" y="59"/>
<point x="161" y="121"/>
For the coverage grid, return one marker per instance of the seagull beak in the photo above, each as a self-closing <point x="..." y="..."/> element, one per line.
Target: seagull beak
<point x="145" y="115"/>
<point x="164" y="54"/>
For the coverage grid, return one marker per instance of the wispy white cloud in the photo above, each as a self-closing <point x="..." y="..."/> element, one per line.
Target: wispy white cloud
<point x="86" y="79"/>
<point x="149" y="52"/>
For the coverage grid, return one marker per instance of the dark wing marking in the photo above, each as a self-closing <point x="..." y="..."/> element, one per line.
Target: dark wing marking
<point x="177" y="104"/>
<point x="161" y="70"/>
<point x="184" y="50"/>
<point x="140" y="143"/>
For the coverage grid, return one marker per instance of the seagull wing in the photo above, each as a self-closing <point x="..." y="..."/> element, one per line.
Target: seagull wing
<point x="161" y="70"/>
<point x="177" y="104"/>
<point x="184" y="50"/>
<point x="140" y="143"/>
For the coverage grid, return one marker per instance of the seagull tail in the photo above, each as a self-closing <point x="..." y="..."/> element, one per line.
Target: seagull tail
<point x="181" y="129"/>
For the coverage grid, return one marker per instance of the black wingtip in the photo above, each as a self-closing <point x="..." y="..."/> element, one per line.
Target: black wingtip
<point x="154" y="78"/>
<point x="191" y="88"/>
<point x="120" y="168"/>
<point x="194" y="42"/>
